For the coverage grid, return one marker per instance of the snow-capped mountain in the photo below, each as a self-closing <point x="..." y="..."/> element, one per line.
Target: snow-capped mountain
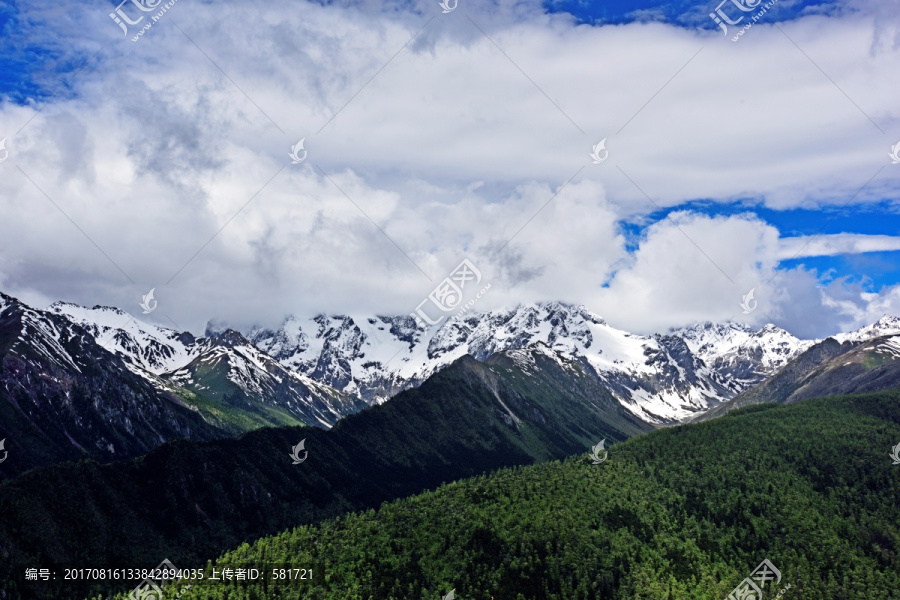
<point x="223" y="367"/>
<point x="660" y="378"/>
<point x="144" y="347"/>
<point x="742" y="355"/>
<point x="228" y="369"/>
<point x="862" y="361"/>
<point x="64" y="397"/>
<point x="886" y="325"/>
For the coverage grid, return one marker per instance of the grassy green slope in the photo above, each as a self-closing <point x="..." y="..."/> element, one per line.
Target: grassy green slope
<point x="269" y="397"/>
<point x="235" y="419"/>
<point x="679" y="514"/>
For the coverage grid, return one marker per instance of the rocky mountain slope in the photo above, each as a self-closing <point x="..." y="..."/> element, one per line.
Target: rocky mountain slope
<point x="865" y="360"/>
<point x="96" y="383"/>
<point x="222" y="367"/>
<point x="197" y="499"/>
<point x="64" y="397"/>
<point x="660" y="378"/>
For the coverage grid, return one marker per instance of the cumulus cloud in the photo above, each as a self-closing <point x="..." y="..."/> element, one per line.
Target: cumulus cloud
<point x="690" y="268"/>
<point x="432" y="138"/>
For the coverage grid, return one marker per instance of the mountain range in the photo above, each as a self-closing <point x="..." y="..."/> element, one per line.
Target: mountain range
<point x="197" y="432"/>
<point x="662" y="378"/>
<point x="99" y="383"/>
<point x="222" y="366"/>
<point x="861" y="361"/>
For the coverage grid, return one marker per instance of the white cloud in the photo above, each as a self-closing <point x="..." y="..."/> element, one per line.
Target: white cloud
<point x="692" y="268"/>
<point x="834" y="244"/>
<point x="449" y="150"/>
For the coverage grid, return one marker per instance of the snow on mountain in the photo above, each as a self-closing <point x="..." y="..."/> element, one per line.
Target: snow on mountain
<point x="739" y="353"/>
<point x="167" y="357"/>
<point x="39" y="334"/>
<point x="69" y="398"/>
<point x="661" y="378"/>
<point x="890" y="345"/>
<point x="230" y="370"/>
<point x="348" y="353"/>
<point x="149" y="348"/>
<point x="886" y="325"/>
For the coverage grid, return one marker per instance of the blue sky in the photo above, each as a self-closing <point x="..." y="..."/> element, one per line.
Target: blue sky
<point x="873" y="270"/>
<point x="31" y="71"/>
<point x="433" y="137"/>
<point x="35" y="67"/>
<point x="687" y="14"/>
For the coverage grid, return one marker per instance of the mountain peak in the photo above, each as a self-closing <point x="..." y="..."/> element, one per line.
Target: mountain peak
<point x="886" y="325"/>
<point x="6" y="300"/>
<point x="887" y="321"/>
<point x="228" y="338"/>
<point x="771" y="328"/>
<point x="61" y="306"/>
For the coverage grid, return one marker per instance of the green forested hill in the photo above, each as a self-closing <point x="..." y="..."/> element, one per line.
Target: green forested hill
<point x="685" y="513"/>
<point x="190" y="502"/>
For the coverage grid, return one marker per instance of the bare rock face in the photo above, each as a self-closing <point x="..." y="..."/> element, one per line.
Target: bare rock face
<point x="661" y="378"/>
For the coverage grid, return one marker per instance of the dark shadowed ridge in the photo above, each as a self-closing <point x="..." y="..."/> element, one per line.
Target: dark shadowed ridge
<point x="190" y="501"/>
<point x="827" y="368"/>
